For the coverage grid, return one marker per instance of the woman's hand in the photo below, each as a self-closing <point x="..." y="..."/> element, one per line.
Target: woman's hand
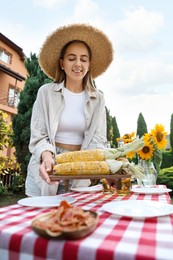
<point x="47" y="166"/>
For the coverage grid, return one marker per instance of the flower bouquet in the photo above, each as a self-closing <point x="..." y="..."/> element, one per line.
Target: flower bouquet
<point x="149" y="157"/>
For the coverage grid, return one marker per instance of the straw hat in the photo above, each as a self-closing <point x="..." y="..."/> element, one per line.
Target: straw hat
<point x="100" y="45"/>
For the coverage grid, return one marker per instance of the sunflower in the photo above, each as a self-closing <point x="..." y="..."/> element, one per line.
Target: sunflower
<point x="127" y="138"/>
<point x="149" y="138"/>
<point x="159" y="135"/>
<point x="146" y="153"/>
<point x="130" y="155"/>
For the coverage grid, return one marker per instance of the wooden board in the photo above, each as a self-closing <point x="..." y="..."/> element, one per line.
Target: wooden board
<point x="55" y="177"/>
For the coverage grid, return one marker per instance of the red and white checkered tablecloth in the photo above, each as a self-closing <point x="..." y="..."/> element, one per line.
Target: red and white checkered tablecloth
<point x="115" y="237"/>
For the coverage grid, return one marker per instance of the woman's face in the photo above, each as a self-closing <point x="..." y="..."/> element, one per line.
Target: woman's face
<point x="76" y="62"/>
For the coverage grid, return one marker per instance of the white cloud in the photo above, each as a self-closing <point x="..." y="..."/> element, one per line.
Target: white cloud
<point x="48" y="3"/>
<point x="126" y="110"/>
<point x="143" y="76"/>
<point x="85" y="8"/>
<point x="86" y="11"/>
<point x="135" y="32"/>
<point x="142" y="21"/>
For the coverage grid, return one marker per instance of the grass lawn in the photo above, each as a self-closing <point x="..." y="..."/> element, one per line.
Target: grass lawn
<point x="6" y="200"/>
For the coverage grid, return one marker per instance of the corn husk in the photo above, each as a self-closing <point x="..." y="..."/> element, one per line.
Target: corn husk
<point x="117" y="166"/>
<point x="114" y="165"/>
<point x="114" y="153"/>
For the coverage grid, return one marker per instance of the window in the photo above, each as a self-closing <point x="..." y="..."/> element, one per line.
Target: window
<point x="5" y="56"/>
<point x="13" y="97"/>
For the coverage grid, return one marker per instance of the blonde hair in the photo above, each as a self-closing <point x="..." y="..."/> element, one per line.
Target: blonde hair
<point x="60" y="76"/>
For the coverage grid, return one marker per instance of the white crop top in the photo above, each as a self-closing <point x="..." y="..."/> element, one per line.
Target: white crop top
<point x="72" y="122"/>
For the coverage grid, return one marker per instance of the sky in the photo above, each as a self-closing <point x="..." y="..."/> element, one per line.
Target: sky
<point x="140" y="78"/>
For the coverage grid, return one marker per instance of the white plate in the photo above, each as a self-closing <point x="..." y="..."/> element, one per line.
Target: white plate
<point x="45" y="201"/>
<point x="92" y="189"/>
<point x="147" y="190"/>
<point x="138" y="208"/>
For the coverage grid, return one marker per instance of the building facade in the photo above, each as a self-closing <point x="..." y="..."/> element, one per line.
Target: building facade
<point x="12" y="78"/>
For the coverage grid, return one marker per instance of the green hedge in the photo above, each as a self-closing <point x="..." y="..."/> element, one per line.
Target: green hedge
<point x="167" y="159"/>
<point x="165" y="177"/>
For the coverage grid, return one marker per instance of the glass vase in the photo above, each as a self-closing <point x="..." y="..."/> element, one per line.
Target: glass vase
<point x="149" y="174"/>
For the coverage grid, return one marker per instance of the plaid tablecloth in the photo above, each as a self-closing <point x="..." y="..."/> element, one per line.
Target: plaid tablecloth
<point x="115" y="237"/>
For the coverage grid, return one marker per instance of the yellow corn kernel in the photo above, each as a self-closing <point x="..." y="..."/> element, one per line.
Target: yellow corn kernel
<point x="81" y="156"/>
<point x="82" y="168"/>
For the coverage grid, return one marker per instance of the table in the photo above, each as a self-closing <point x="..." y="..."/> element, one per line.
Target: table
<point x="115" y="237"/>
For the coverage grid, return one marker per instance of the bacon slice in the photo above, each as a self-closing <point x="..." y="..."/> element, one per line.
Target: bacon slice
<point x="66" y="218"/>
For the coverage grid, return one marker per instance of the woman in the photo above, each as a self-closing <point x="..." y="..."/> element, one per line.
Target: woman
<point x="69" y="114"/>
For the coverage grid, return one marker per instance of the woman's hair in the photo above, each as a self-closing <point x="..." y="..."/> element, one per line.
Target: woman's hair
<point x="61" y="76"/>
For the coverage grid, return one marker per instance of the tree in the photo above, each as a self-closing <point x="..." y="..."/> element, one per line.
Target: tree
<point x="109" y="126"/>
<point x="141" y="126"/>
<point x="21" y="121"/>
<point x="116" y="133"/>
<point x="171" y="132"/>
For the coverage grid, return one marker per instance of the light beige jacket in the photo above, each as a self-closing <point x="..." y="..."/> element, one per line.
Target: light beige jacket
<point x="46" y="114"/>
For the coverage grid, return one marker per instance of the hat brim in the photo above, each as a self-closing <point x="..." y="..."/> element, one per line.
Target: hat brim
<point x="100" y="45"/>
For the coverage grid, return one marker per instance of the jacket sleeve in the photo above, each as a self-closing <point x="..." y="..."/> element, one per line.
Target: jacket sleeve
<point x="39" y="139"/>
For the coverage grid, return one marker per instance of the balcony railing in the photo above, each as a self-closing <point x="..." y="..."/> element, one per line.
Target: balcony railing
<point x="6" y="100"/>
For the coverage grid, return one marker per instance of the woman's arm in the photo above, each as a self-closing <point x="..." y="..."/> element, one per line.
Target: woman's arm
<point x="40" y="128"/>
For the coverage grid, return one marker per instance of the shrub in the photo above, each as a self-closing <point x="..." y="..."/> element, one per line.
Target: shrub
<point x="167" y="159"/>
<point x="11" y="178"/>
<point x="2" y="188"/>
<point x="18" y="183"/>
<point x="165" y="177"/>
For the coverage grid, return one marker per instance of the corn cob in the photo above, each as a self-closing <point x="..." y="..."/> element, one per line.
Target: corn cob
<point x="97" y="161"/>
<point x="99" y="154"/>
<point x="81" y="156"/>
<point x="82" y="168"/>
<point x="97" y="168"/>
